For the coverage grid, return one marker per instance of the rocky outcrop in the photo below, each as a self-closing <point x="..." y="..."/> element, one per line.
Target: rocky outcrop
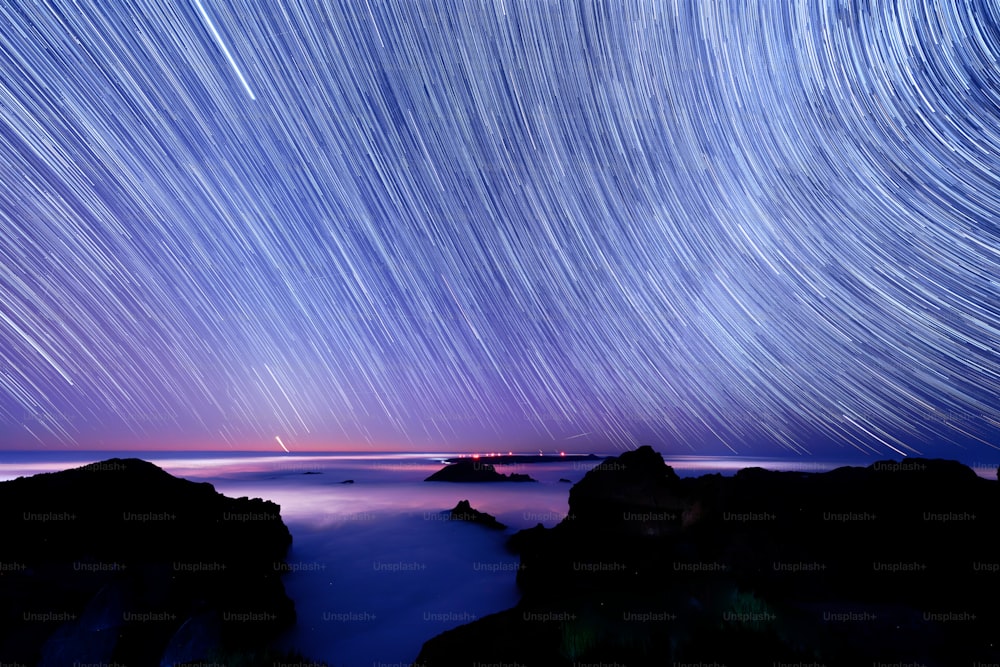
<point x="891" y="563"/>
<point x="117" y="561"/>
<point x="507" y="459"/>
<point x="635" y="493"/>
<point x="474" y="470"/>
<point x="463" y="511"/>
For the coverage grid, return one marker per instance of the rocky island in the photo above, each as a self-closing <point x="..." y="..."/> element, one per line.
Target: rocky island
<point x="507" y="459"/>
<point x="118" y="562"/>
<point x="463" y="511"/>
<point x="893" y="563"/>
<point x="474" y="470"/>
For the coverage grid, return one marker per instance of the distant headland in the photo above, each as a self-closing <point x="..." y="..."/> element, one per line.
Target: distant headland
<point x="508" y="459"/>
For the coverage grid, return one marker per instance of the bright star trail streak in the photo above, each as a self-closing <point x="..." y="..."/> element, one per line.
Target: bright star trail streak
<point x="767" y="228"/>
<point x="225" y="50"/>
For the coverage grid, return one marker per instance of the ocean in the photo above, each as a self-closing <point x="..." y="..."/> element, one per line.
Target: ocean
<point x="376" y="568"/>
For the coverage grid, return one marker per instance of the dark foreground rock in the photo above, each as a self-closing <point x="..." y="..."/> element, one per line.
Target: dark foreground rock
<point x="463" y="511"/>
<point x="119" y="562"/>
<point x="894" y="563"/>
<point x="474" y="470"/>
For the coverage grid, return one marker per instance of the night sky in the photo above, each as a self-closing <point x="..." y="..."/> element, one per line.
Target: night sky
<point x="768" y="228"/>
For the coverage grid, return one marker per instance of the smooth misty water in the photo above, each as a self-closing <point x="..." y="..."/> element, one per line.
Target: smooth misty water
<point x="376" y="569"/>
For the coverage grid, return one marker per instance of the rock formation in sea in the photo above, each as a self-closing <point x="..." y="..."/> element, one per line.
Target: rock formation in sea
<point x="474" y="470"/>
<point x="463" y="511"/>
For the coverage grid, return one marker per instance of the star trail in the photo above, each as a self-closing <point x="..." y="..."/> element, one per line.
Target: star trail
<point x="751" y="227"/>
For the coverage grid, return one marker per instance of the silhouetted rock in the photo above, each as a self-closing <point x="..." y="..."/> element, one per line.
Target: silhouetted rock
<point x="635" y="492"/>
<point x="113" y="561"/>
<point x="474" y="470"/>
<point x="892" y="563"/>
<point x="506" y="459"/>
<point x="348" y="481"/>
<point x="463" y="511"/>
<point x="565" y="481"/>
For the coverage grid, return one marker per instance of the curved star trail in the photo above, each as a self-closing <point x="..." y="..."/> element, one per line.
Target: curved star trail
<point x="757" y="227"/>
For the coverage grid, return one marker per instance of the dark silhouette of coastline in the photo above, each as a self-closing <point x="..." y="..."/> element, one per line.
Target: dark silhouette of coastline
<point x="893" y="563"/>
<point x="118" y="562"/>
